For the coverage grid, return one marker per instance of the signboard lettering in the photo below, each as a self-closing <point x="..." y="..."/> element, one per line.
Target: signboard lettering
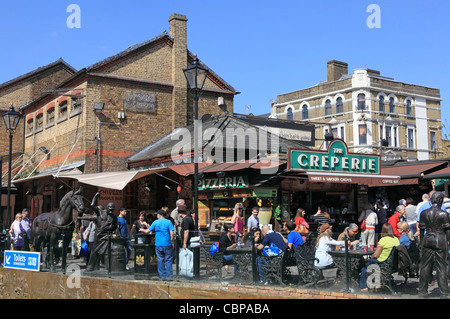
<point x="223" y="182"/>
<point x="140" y="101"/>
<point x="23" y="260"/>
<point x="336" y="159"/>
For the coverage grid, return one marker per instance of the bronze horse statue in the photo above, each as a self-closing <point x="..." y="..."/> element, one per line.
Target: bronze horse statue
<point x="48" y="228"/>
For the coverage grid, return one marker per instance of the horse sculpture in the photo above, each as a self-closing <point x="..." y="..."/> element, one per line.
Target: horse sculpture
<point x="49" y="228"/>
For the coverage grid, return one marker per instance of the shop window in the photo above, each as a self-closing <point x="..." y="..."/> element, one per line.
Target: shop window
<point x="305" y="112"/>
<point x="327" y="107"/>
<point x="339" y="105"/>
<point x="362" y="134"/>
<point x="361" y="101"/>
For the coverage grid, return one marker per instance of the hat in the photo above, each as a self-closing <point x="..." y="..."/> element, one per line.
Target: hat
<point x="324" y="227"/>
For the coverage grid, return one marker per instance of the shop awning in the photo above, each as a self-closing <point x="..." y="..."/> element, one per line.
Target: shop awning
<point x="442" y="173"/>
<point x="114" y="180"/>
<point x="64" y="171"/>
<point x="360" y="179"/>
<point x="188" y="169"/>
<point x="413" y="170"/>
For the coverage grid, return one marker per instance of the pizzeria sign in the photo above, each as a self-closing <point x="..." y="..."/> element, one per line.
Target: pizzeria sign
<point x="335" y="159"/>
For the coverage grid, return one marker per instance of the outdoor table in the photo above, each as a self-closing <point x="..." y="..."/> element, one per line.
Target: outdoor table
<point x="242" y="256"/>
<point x="355" y="258"/>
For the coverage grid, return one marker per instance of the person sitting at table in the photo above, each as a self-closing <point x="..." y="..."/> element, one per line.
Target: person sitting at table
<point x="294" y="238"/>
<point x="325" y="244"/>
<point x="405" y="234"/>
<point x="227" y="240"/>
<point x="385" y="245"/>
<point x="269" y="237"/>
<point x="351" y="231"/>
<point x="253" y="237"/>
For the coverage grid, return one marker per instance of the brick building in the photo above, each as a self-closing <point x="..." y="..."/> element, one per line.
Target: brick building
<point x="17" y="92"/>
<point x="98" y="117"/>
<point x="364" y="108"/>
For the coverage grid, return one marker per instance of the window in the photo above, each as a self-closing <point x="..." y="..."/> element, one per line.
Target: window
<point x="395" y="136"/>
<point x="381" y="103"/>
<point x="342" y="133"/>
<point x="50" y="116"/>
<point x="391" y="105"/>
<point x="305" y="112"/>
<point x="387" y="130"/>
<point x="362" y="134"/>
<point x="290" y="115"/>
<point x="77" y="106"/>
<point x="327" y="107"/>
<point x="410" y="138"/>
<point x="39" y="122"/>
<point x="63" y="110"/>
<point x="30" y="126"/>
<point x="432" y="141"/>
<point x="408" y="108"/>
<point x="339" y="105"/>
<point x="361" y="101"/>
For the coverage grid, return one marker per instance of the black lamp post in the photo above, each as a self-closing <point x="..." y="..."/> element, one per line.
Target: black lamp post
<point x="196" y="75"/>
<point x="11" y="119"/>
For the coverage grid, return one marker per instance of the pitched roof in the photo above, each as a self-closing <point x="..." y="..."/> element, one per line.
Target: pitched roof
<point x="216" y="130"/>
<point x="36" y="72"/>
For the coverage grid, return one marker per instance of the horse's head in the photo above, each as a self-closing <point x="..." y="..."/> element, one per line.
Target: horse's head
<point x="77" y="201"/>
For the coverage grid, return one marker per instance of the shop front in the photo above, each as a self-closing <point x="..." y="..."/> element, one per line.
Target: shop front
<point x="335" y="178"/>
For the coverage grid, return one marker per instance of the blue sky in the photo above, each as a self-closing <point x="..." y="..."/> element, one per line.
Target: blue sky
<point x="262" y="48"/>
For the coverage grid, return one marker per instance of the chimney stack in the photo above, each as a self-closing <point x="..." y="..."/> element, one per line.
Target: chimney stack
<point x="335" y="69"/>
<point x="178" y="31"/>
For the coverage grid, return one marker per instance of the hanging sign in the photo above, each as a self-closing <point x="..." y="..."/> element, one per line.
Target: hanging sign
<point x="335" y="159"/>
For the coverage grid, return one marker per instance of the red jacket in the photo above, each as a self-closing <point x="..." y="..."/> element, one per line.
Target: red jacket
<point x="394" y="220"/>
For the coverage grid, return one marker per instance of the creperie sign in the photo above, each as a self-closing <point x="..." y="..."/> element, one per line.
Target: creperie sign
<point x="335" y="159"/>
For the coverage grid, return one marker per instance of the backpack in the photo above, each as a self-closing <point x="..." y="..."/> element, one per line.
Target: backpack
<point x="214" y="248"/>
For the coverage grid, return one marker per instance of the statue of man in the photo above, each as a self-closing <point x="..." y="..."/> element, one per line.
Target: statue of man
<point x="434" y="228"/>
<point x="106" y="225"/>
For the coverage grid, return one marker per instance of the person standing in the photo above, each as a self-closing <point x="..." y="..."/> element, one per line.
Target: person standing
<point x="187" y="227"/>
<point x="434" y="227"/>
<point x="397" y="217"/>
<point x="18" y="232"/>
<point x="26" y="224"/>
<point x="237" y="221"/>
<point x="164" y="239"/>
<point x="410" y="214"/>
<point x="371" y="220"/>
<point x="123" y="231"/>
<point x="177" y="220"/>
<point x="253" y="220"/>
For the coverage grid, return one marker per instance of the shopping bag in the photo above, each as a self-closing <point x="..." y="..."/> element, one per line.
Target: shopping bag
<point x="271" y="250"/>
<point x="214" y="248"/>
<point x="186" y="264"/>
<point x="83" y="249"/>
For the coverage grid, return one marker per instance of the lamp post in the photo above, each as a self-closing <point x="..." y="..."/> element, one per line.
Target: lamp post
<point x="11" y="119"/>
<point x="196" y="75"/>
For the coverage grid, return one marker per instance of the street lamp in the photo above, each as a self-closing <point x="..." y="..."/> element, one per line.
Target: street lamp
<point x="196" y="75"/>
<point x="11" y="119"/>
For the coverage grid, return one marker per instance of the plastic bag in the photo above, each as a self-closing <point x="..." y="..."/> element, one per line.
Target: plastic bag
<point x="83" y="249"/>
<point x="214" y="248"/>
<point x="271" y="250"/>
<point x="186" y="264"/>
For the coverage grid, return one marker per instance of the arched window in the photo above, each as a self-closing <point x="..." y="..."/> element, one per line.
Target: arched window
<point x="327" y="107"/>
<point x="339" y="105"/>
<point x="361" y="101"/>
<point x="305" y="112"/>
<point x="381" y="103"/>
<point x="391" y="105"/>
<point x="408" y="108"/>
<point x="290" y="115"/>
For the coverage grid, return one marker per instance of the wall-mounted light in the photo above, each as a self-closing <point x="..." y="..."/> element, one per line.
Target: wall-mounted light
<point x="98" y="107"/>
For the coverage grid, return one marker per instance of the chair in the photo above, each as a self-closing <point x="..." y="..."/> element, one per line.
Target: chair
<point x="213" y="263"/>
<point x="386" y="269"/>
<point x="305" y="257"/>
<point x="272" y="268"/>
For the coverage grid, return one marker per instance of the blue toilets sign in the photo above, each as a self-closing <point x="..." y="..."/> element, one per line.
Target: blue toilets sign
<point x="24" y="260"/>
